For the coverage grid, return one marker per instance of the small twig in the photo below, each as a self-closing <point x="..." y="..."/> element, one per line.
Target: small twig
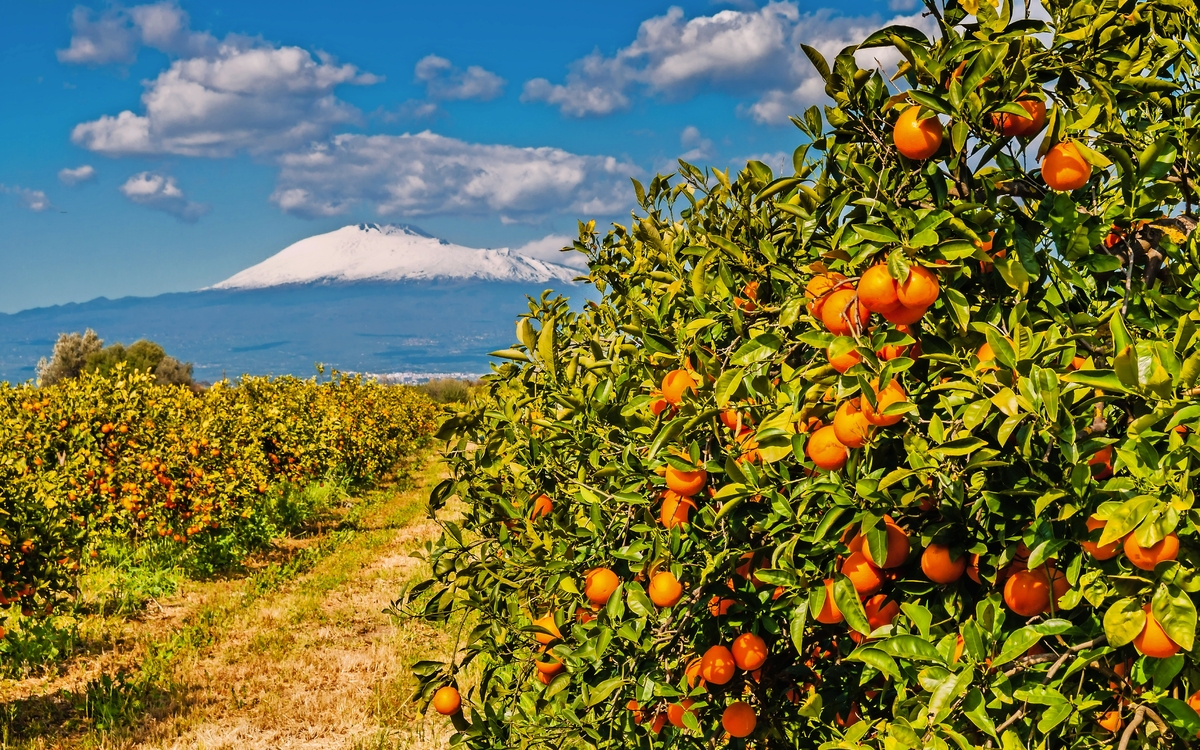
<point x="1020" y="714"/>
<point x="1138" y="716"/>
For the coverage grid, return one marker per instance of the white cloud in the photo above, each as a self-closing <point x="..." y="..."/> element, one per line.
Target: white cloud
<point x="698" y="147"/>
<point x="445" y="82"/>
<point x="77" y="176"/>
<point x="162" y="193"/>
<point x="426" y="174"/>
<point x="549" y="249"/>
<point x="115" y="36"/>
<point x="754" y="51"/>
<point x="34" y="200"/>
<point x="904" y="5"/>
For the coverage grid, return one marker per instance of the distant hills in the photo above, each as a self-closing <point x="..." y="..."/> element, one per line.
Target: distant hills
<point x="364" y="298"/>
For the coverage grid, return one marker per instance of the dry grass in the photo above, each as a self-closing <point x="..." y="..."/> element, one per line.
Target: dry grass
<point x="312" y="663"/>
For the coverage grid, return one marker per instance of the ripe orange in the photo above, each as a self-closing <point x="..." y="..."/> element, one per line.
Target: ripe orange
<point x="825" y="450"/>
<point x="749" y="303"/>
<point x="1146" y="558"/>
<point x="549" y="668"/>
<point x="675" y="509"/>
<point x="686" y="483"/>
<point x="547" y="623"/>
<point x="734" y="420"/>
<point x="987" y="357"/>
<point x="850" y="426"/>
<point x="1101" y="463"/>
<point x="897" y="548"/>
<point x="920" y="289"/>
<point x="1016" y="125"/>
<point x="739" y="719"/>
<point x="659" y="722"/>
<point x="851" y="718"/>
<point x="877" y="289"/>
<point x="447" y="701"/>
<point x="599" y="585"/>
<point x="973" y="568"/>
<point x="902" y="315"/>
<point x="917" y="139"/>
<point x="843" y="314"/>
<point x="1194" y="701"/>
<point x="676" y="711"/>
<point x="717" y="665"/>
<point x="1111" y="721"/>
<point x="844" y="361"/>
<point x="1153" y="640"/>
<point x="1027" y="593"/>
<point x="862" y="573"/>
<point x="718" y="606"/>
<point x="692" y="673"/>
<point x="829" y="614"/>
<point x="940" y="565"/>
<point x="1064" y="167"/>
<point x="658" y="406"/>
<point x="665" y="590"/>
<point x="749" y="652"/>
<point x="1108" y="551"/>
<point x="881" y="611"/>
<point x="818" y="289"/>
<point x="633" y="706"/>
<point x="675" y="383"/>
<point x="892" y="394"/>
<point x="542" y="506"/>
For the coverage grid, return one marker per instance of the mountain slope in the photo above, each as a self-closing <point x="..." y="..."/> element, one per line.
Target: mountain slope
<point x="373" y="252"/>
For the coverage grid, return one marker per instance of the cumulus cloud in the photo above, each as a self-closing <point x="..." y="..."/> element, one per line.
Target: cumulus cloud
<point x="698" y="147"/>
<point x="34" y="200"/>
<point x="753" y="51"/>
<point x="427" y="174"/>
<point x="219" y="97"/>
<point x="161" y="193"/>
<point x="115" y="36"/>
<point x="549" y="249"/>
<point x="445" y="82"/>
<point x="77" y="176"/>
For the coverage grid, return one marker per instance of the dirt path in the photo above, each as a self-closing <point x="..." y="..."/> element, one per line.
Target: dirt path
<point x="292" y="657"/>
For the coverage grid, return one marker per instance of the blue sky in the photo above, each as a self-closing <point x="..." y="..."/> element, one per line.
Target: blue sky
<point x="165" y="146"/>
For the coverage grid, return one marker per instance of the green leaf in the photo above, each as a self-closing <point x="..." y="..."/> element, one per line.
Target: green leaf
<point x="878" y="659"/>
<point x="759" y="349"/>
<point x="601" y="692"/>
<point x="516" y="354"/>
<point x="851" y="607"/>
<point x="638" y="602"/>
<point x="911" y="648"/>
<point x="875" y="233"/>
<point x="1105" y="380"/>
<point x="1176" y="613"/>
<point x="1182" y="717"/>
<point x="1016" y="644"/>
<point x="959" y="307"/>
<point x="1123" y="622"/>
<point x="727" y="385"/>
<point x="796" y="625"/>
<point x="975" y="709"/>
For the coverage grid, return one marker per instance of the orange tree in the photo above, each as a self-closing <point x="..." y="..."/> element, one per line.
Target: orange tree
<point x="892" y="452"/>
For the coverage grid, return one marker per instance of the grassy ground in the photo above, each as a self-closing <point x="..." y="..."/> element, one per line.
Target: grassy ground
<point x="297" y="653"/>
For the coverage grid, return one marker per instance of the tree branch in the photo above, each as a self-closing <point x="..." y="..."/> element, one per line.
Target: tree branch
<point x="1138" y="716"/>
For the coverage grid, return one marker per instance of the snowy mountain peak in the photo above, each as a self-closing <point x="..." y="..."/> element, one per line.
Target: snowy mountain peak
<point x="387" y="252"/>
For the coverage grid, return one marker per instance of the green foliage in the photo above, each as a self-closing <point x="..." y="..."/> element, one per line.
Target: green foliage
<point x="447" y="390"/>
<point x="1090" y="301"/>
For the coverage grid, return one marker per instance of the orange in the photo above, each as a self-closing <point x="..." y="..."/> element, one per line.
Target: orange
<point x="659" y="722"/>
<point x="718" y="606"/>
<point x="829" y="614"/>
<point x="877" y="289"/>
<point x="739" y="719"/>
<point x="1064" y="167"/>
<point x="1153" y="640"/>
<point x="920" y="289"/>
<point x="600" y="585"/>
<point x="817" y="290"/>
<point x="675" y="509"/>
<point x="862" y="573"/>
<point x="850" y="426"/>
<point x="1194" y="702"/>
<point x="1024" y="126"/>
<point x="717" y="665"/>
<point x="902" y="315"/>
<point x="1146" y="558"/>
<point x="749" y="652"/>
<point x="734" y="420"/>
<point x="1101" y="463"/>
<point x="692" y="673"/>
<point x="1111" y="720"/>
<point x="447" y="701"/>
<point x="549" y="668"/>
<point x="917" y="139"/>
<point x="547" y="623"/>
<point x="1027" y="593"/>
<point x="675" y="383"/>
<point x="843" y="314"/>
<point x="986" y="356"/>
<point x="542" y="506"/>
<point x="892" y="394"/>
<point x="845" y="361"/>
<point x="973" y="568"/>
<point x="825" y="450"/>
<point x="897" y="548"/>
<point x="665" y="590"/>
<point x="881" y="611"/>
<point x="940" y="566"/>
<point x="676" y="711"/>
<point x="750" y="302"/>
<point x="658" y="406"/>
<point x="686" y="483"/>
<point x="633" y="706"/>
<point x="850" y="719"/>
<point x="1108" y="551"/>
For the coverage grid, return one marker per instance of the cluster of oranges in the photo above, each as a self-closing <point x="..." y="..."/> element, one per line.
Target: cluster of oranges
<point x="918" y="135"/>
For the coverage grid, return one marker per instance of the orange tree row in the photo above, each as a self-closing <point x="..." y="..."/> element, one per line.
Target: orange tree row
<point x="121" y="455"/>
<point x="895" y="451"/>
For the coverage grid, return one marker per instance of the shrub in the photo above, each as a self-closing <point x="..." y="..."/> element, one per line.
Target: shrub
<point x="71" y="352"/>
<point x="811" y="399"/>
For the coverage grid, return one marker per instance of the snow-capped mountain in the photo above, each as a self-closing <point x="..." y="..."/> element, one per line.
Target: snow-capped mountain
<point x="374" y="252"/>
